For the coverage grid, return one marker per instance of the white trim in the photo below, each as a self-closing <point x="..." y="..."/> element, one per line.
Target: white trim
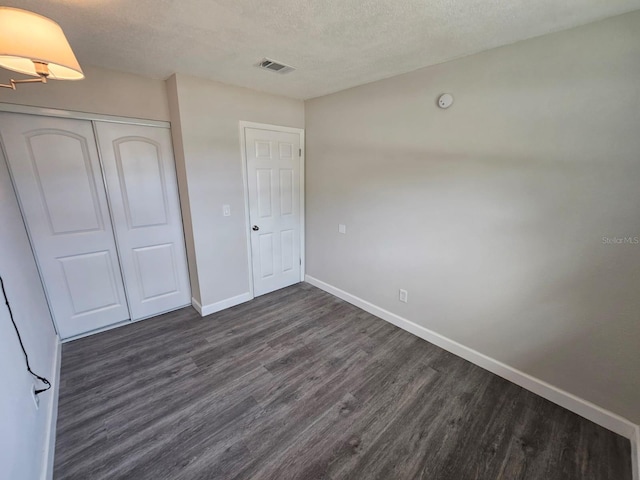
<point x="267" y="126"/>
<point x="303" y="257"/>
<point x="585" y="409"/>
<point x="205" y="310"/>
<point x="635" y="455"/>
<point x="96" y="331"/>
<point x="52" y="414"/>
<point x="196" y="305"/>
<point x="120" y="324"/>
<point x="243" y="125"/>
<point x="245" y="189"/>
<point x="54" y="112"/>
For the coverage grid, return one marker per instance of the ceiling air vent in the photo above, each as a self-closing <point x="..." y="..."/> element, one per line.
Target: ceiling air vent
<point x="274" y="66"/>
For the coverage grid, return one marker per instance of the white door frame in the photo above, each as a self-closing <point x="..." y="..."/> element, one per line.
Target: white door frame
<point x="245" y="182"/>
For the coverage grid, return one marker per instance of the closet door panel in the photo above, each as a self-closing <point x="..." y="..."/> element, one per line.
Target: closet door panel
<point x="141" y="180"/>
<point x="55" y="168"/>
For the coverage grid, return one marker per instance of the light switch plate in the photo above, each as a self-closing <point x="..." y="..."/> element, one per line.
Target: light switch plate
<point x="226" y="210"/>
<point x="342" y="228"/>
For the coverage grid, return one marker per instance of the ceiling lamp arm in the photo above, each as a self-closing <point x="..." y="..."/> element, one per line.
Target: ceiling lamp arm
<point x="12" y="83"/>
<point x="42" y="69"/>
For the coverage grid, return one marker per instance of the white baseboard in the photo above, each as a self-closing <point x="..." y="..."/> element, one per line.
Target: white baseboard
<point x="205" y="310"/>
<point x="586" y="409"/>
<point x="196" y="304"/>
<point x="52" y="414"/>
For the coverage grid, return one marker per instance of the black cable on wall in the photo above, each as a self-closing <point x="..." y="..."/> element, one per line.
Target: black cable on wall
<point x="26" y="357"/>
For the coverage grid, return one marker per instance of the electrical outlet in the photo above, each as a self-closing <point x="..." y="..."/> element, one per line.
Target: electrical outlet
<point x="36" y="400"/>
<point x="404" y="296"/>
<point x="342" y="228"/>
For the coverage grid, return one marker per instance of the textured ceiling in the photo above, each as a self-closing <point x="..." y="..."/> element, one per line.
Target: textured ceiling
<point x="334" y="44"/>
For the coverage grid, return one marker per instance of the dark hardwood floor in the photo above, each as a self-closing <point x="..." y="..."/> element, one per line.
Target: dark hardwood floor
<point x="298" y="384"/>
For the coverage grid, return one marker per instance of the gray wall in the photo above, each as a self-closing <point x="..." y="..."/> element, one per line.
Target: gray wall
<point x="492" y="213"/>
<point x="23" y="429"/>
<point x="103" y="91"/>
<point x="205" y="118"/>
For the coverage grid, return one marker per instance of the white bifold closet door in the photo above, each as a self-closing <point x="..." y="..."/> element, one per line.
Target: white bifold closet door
<point x="143" y="191"/>
<point x="106" y="255"/>
<point x="55" y="168"/>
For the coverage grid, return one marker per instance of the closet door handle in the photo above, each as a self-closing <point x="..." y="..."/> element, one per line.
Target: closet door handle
<point x="255" y="228"/>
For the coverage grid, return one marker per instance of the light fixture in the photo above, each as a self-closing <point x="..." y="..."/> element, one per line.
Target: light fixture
<point x="35" y="45"/>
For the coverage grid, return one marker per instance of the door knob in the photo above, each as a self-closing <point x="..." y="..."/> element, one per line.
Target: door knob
<point x="255" y="228"/>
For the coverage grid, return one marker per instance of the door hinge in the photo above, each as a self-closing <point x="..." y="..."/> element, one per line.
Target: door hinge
<point x="299" y="152"/>
<point x="300" y="261"/>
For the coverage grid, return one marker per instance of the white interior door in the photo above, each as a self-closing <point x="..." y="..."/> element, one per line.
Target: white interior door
<point x="273" y="175"/>
<point x="55" y="168"/>
<point x="141" y="180"/>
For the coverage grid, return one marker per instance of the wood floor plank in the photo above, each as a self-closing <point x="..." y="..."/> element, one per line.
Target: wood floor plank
<point x="338" y="454"/>
<point x="298" y="384"/>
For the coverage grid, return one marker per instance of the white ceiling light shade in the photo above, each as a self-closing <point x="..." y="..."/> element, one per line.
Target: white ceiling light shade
<point x="35" y="45"/>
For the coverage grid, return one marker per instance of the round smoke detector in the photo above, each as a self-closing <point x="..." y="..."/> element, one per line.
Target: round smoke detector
<point x="445" y="100"/>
